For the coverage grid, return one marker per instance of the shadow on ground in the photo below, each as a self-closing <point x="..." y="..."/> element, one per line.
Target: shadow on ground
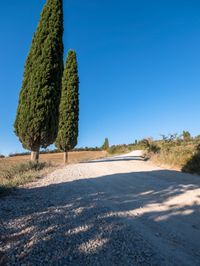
<point x="120" y="219"/>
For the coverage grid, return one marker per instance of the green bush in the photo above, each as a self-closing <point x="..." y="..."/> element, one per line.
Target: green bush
<point x="151" y="146"/>
<point x="193" y="164"/>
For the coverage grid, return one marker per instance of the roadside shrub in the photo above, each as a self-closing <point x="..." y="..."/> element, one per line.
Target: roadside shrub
<point x="193" y="164"/>
<point x="151" y="146"/>
<point x="182" y="153"/>
<point x="20" y="174"/>
<point x="22" y="168"/>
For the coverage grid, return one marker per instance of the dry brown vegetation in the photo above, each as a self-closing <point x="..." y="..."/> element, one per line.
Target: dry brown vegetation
<point x="178" y="154"/>
<point x="18" y="170"/>
<point x="54" y="158"/>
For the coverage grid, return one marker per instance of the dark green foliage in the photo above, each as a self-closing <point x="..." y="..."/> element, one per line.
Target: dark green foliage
<point x="151" y="146"/>
<point x="69" y="106"/>
<point x="193" y="164"/>
<point x="37" y="114"/>
<point x="186" y="135"/>
<point x="19" y="154"/>
<point x="87" y="149"/>
<point x="105" y="146"/>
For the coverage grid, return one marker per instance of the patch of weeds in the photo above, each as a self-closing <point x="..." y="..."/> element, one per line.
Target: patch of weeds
<point x="20" y="174"/>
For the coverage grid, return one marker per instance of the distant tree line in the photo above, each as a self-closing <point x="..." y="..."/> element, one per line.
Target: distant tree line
<point x="47" y="151"/>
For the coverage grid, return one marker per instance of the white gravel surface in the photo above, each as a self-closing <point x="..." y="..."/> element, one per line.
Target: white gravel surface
<point x="113" y="211"/>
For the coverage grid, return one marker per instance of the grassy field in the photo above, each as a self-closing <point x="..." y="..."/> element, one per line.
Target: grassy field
<point x="18" y="170"/>
<point x="54" y="158"/>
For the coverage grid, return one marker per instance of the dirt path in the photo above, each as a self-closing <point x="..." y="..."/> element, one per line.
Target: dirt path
<point x="115" y="211"/>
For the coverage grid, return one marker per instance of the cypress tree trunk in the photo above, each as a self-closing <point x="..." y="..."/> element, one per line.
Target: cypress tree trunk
<point x="35" y="156"/>
<point x="65" y="154"/>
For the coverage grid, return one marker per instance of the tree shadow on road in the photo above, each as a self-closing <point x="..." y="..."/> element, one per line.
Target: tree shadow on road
<point x="120" y="219"/>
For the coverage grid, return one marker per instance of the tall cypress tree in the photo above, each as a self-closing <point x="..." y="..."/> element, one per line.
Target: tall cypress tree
<point x="106" y="146"/>
<point x="69" y="107"/>
<point x="38" y="108"/>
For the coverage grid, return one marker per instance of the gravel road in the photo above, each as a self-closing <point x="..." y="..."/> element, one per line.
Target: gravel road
<point x="115" y="211"/>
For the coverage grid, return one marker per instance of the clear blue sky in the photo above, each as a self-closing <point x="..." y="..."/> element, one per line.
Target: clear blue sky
<point x="139" y="66"/>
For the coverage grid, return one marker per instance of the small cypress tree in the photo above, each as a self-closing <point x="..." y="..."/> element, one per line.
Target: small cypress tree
<point x="69" y="107"/>
<point x="38" y="108"/>
<point x="106" y="146"/>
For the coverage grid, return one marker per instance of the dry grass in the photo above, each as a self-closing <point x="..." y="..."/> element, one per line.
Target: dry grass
<point x="18" y="170"/>
<point x="54" y="158"/>
<point x="21" y="173"/>
<point x="175" y="155"/>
